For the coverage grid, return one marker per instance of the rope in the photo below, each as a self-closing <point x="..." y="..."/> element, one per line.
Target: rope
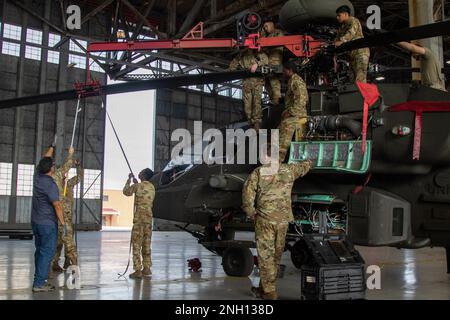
<point x="73" y="136"/>
<point x="118" y="140"/>
<point x="121" y="275"/>
<point x="77" y="188"/>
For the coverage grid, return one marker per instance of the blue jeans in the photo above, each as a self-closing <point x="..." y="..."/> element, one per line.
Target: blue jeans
<point x="45" y="237"/>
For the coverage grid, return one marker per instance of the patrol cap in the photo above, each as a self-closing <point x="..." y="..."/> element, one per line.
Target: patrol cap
<point x="343" y="9"/>
<point x="147" y="173"/>
<point x="270" y="18"/>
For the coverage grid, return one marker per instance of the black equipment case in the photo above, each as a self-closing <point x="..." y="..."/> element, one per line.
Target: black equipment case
<point x="334" y="270"/>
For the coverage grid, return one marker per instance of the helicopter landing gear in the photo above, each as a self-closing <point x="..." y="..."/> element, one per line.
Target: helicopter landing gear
<point x="237" y="258"/>
<point x="214" y="236"/>
<point x="237" y="261"/>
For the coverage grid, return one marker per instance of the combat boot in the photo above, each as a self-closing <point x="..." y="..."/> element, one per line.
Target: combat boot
<point x="269" y="296"/>
<point x="57" y="268"/>
<point x="257" y="292"/>
<point x="146" y="272"/>
<point x="136" y="275"/>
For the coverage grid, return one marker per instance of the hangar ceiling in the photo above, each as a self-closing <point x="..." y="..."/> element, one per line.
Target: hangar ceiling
<point x="133" y="19"/>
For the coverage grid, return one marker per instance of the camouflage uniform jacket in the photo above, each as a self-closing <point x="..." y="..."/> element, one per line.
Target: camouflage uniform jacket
<point x="296" y="97"/>
<point x="60" y="174"/>
<point x="68" y="199"/>
<point x="352" y="30"/>
<point x="275" y="54"/>
<point x="269" y="195"/>
<point x="143" y="201"/>
<point x="247" y="58"/>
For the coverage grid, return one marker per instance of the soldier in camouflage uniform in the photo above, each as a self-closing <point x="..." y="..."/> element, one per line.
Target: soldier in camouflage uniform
<point x="70" y="249"/>
<point x="59" y="177"/>
<point x="349" y="30"/>
<point x="266" y="198"/>
<point x="295" y="115"/>
<point x="275" y="55"/>
<point x="252" y="88"/>
<point x="141" y="235"/>
<point x="430" y="66"/>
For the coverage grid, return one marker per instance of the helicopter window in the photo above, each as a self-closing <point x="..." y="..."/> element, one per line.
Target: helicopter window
<point x="176" y="168"/>
<point x="182" y="163"/>
<point x="171" y="174"/>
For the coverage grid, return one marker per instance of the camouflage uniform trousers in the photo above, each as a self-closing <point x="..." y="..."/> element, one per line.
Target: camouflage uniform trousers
<point x="252" y="90"/>
<point x="70" y="249"/>
<point x="287" y="128"/>
<point x="270" y="242"/>
<point x="273" y="85"/>
<point x="358" y="65"/>
<point x="141" y="239"/>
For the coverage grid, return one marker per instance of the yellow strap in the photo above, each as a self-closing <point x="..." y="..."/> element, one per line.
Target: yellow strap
<point x="65" y="186"/>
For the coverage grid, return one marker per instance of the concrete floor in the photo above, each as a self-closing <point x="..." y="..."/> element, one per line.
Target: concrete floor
<point x="405" y="274"/>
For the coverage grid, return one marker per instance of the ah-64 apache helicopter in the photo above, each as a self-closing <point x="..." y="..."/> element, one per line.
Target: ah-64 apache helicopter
<point x="387" y="196"/>
<point x="382" y="162"/>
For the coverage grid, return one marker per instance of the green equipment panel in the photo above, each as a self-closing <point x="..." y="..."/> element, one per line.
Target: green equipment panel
<point x="333" y="155"/>
<point x="316" y="198"/>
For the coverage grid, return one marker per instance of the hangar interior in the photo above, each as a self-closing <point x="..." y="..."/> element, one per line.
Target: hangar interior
<point x="38" y="54"/>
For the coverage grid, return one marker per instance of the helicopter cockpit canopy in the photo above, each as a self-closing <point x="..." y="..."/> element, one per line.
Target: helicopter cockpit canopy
<point x="182" y="163"/>
<point x="201" y="152"/>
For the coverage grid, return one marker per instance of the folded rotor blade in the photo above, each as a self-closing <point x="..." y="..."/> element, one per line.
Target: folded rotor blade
<point x="167" y="82"/>
<point x="407" y="34"/>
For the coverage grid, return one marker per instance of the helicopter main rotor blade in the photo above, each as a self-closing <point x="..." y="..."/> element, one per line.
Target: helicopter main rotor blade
<point x="385" y="38"/>
<point x="168" y="82"/>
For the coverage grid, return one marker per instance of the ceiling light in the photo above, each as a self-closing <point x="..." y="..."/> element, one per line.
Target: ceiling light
<point x="448" y="62"/>
<point x="380" y="78"/>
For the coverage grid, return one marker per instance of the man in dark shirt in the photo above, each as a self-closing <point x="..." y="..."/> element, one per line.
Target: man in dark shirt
<point x="45" y="212"/>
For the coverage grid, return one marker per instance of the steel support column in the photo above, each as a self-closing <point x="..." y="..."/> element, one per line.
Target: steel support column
<point x="18" y="120"/>
<point x="171" y="17"/>
<point x="61" y="105"/>
<point x="42" y="85"/>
